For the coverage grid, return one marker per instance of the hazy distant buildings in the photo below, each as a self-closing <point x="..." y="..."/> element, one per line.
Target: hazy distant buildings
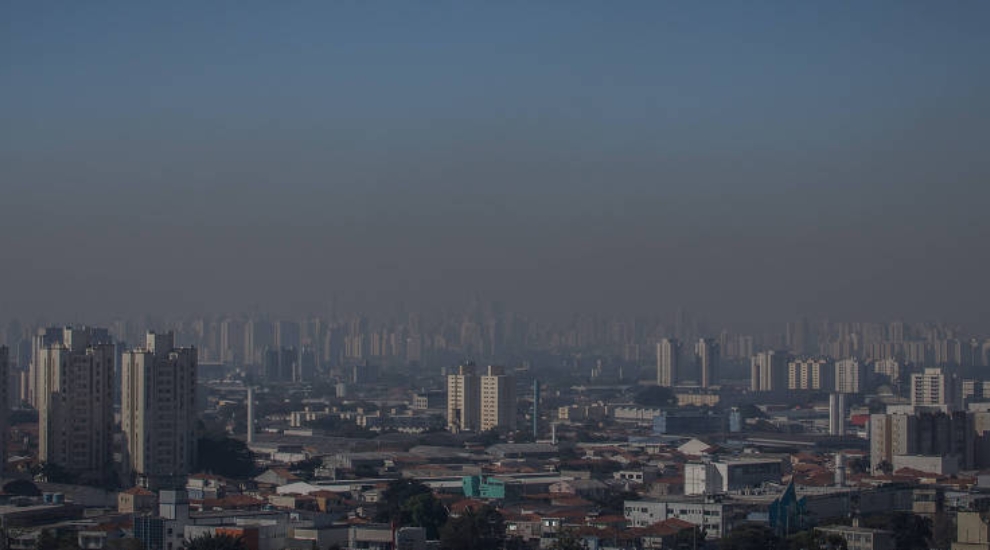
<point x="706" y="354"/>
<point x="498" y="400"/>
<point x="668" y="356"/>
<point x="158" y="412"/>
<point x="75" y="403"/>
<point x="768" y="371"/>
<point x="463" y="399"/>
<point x="890" y="368"/>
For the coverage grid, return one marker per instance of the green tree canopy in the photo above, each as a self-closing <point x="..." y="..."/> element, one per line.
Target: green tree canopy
<point x="751" y="536"/>
<point x="483" y="529"/>
<point x="226" y="457"/>
<point x="395" y="495"/>
<point x="424" y="510"/>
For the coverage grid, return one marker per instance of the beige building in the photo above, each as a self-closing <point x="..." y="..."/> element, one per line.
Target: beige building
<point x="810" y="374"/>
<point x="463" y="399"/>
<point x="498" y="400"/>
<point x="75" y="404"/>
<point x="668" y="354"/>
<point x="158" y="412"/>
<point x="972" y="532"/>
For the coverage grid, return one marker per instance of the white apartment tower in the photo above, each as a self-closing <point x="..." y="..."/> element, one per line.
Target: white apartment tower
<point x="463" y="399"/>
<point x="75" y="403"/>
<point x="933" y="387"/>
<point x="849" y="376"/>
<point x="158" y="412"/>
<point x="668" y="354"/>
<point x="498" y="400"/>
<point x="768" y="371"/>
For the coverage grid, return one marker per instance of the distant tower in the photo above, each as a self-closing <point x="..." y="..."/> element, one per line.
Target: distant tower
<point x="706" y="355"/>
<point x="536" y="408"/>
<point x="837" y="414"/>
<point x="668" y="354"/>
<point x="250" y="414"/>
<point x="840" y="470"/>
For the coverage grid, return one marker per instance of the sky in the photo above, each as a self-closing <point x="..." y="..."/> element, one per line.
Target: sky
<point x="748" y="161"/>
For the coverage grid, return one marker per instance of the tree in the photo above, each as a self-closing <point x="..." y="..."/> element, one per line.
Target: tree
<point x="424" y="510"/>
<point x="911" y="532"/>
<point x="395" y="495"/>
<point x="209" y="541"/>
<point x="483" y="529"/>
<point x="568" y="539"/>
<point x="751" y="536"/>
<point x="655" y="396"/>
<point x="226" y="457"/>
<point x="22" y="487"/>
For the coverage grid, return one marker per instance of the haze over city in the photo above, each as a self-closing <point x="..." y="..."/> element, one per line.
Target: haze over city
<point x="753" y="163"/>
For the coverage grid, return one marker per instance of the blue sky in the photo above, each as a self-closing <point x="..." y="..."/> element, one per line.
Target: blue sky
<point x="617" y="156"/>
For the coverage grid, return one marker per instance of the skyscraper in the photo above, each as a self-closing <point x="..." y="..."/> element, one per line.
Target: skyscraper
<point x="463" y="399"/>
<point x="75" y="404"/>
<point x="706" y="356"/>
<point x="498" y="400"/>
<point x="158" y="412"/>
<point x="668" y="355"/>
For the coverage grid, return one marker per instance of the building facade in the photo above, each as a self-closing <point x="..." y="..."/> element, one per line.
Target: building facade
<point x="668" y="356"/>
<point x="158" y="412"/>
<point x="75" y="404"/>
<point x="498" y="400"/>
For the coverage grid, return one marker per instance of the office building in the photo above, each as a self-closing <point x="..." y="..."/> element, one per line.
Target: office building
<point x="668" y="355"/>
<point x="706" y="356"/>
<point x="463" y="399"/>
<point x="498" y="400"/>
<point x="158" y="412"/>
<point x="922" y="438"/>
<point x="768" y="371"/>
<point x="933" y="387"/>
<point x="75" y="404"/>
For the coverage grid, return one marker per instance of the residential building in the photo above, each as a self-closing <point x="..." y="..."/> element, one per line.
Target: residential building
<point x="768" y="371"/>
<point x="848" y="376"/>
<point x="933" y="386"/>
<point x="923" y="432"/>
<point x="861" y="538"/>
<point x="668" y="356"/>
<point x="464" y="399"/>
<point x="723" y="476"/>
<point x="75" y="404"/>
<point x="810" y="374"/>
<point x="706" y="356"/>
<point x="498" y="400"/>
<point x="972" y="531"/>
<point x="158" y="412"/>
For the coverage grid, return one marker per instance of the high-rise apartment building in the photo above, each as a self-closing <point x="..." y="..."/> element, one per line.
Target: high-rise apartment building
<point x="706" y="356"/>
<point x="4" y="403"/>
<point x="921" y="433"/>
<point x="75" y="403"/>
<point x="890" y="368"/>
<point x="810" y="374"/>
<point x="768" y="371"/>
<point x="158" y="412"/>
<point x="668" y="356"/>
<point x="463" y="399"/>
<point x="933" y="387"/>
<point x="849" y="376"/>
<point x="498" y="400"/>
